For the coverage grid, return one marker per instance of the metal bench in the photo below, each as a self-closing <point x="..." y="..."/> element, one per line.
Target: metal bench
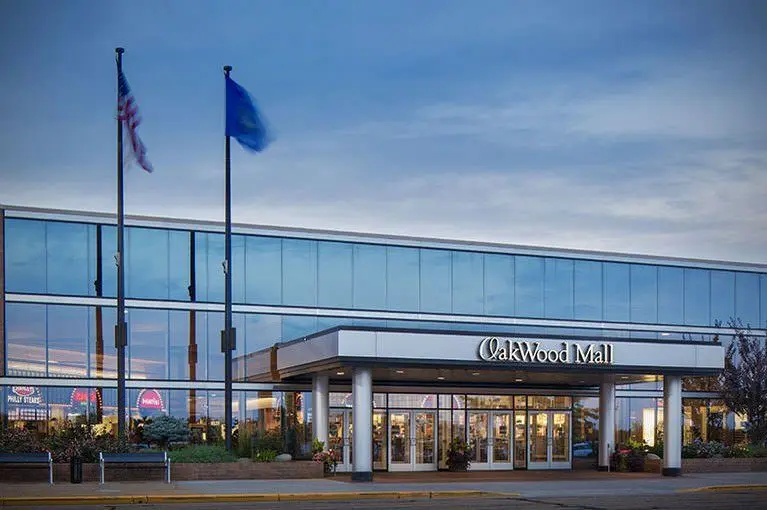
<point x="134" y="458"/>
<point x="30" y="458"/>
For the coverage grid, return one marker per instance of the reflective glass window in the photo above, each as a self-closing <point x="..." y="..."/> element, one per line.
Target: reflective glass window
<point x="435" y="281"/>
<point x="25" y="339"/>
<point x="146" y="270"/>
<point x="587" y="290"/>
<point x="559" y="288"/>
<point x="763" y="300"/>
<point x="147" y="344"/>
<point x="369" y="277"/>
<point x="489" y="401"/>
<point x="103" y="353"/>
<point x="239" y="271"/>
<point x="67" y="341"/>
<point x="296" y="326"/>
<point x="108" y="267"/>
<point x="69" y="259"/>
<point x="529" y="286"/>
<point x="178" y="265"/>
<point x="201" y="343"/>
<point x="722" y="296"/>
<point x="324" y="323"/>
<point x="499" y="285"/>
<point x="402" y="277"/>
<point x="670" y="295"/>
<point x="183" y="355"/>
<point x="262" y="330"/>
<point x="299" y="272"/>
<point x="747" y="298"/>
<point x="413" y="400"/>
<point x="216" y="247"/>
<point x="468" y="283"/>
<point x="644" y="293"/>
<point x="335" y="275"/>
<point x="616" y="291"/>
<point x="25" y="256"/>
<point x="697" y="306"/>
<point x="213" y="327"/>
<point x="263" y="259"/>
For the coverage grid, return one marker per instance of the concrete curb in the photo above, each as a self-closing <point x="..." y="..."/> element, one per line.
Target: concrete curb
<point x="722" y="488"/>
<point x="248" y="497"/>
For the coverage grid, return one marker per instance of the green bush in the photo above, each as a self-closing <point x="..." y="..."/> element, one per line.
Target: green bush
<point x="459" y="455"/>
<point x="15" y="440"/>
<point x="244" y="443"/>
<point x="265" y="455"/>
<point x="268" y="441"/>
<point x="202" y="454"/>
<point x="757" y="450"/>
<point x="166" y="429"/>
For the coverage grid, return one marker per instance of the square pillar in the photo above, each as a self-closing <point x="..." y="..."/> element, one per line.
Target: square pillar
<point x="606" y="424"/>
<point x="321" y="411"/>
<point x="672" y="425"/>
<point x="362" y="419"/>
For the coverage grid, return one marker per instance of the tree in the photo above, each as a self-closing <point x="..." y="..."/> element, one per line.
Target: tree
<point x="744" y="380"/>
<point x="165" y="429"/>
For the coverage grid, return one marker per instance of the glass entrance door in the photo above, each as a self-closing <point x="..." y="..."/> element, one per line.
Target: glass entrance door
<point x="489" y="435"/>
<point x="549" y="440"/>
<point x="379" y="440"/>
<point x="340" y="437"/>
<point x="412" y="441"/>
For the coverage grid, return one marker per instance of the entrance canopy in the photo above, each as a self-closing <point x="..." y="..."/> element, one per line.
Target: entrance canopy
<point x="457" y="357"/>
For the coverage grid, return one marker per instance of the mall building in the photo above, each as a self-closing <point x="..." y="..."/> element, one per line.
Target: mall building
<point x="383" y="347"/>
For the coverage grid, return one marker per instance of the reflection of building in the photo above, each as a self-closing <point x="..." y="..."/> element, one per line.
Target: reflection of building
<point x="427" y="325"/>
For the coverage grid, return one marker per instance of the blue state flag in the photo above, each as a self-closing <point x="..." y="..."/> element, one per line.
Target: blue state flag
<point x="243" y="120"/>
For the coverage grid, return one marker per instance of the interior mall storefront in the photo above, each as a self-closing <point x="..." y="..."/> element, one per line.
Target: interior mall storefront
<point x="400" y="415"/>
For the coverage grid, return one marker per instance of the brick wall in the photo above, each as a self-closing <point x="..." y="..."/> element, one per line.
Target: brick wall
<point x="241" y="470"/>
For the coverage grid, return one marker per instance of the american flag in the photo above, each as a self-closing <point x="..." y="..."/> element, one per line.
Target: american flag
<point x="127" y="112"/>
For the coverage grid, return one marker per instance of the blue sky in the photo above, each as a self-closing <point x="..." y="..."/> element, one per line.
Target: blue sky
<point x="610" y="125"/>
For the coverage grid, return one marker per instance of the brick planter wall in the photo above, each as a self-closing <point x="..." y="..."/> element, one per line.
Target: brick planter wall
<point x="240" y="470"/>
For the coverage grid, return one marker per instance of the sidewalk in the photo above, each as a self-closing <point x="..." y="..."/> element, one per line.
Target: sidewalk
<point x="555" y="484"/>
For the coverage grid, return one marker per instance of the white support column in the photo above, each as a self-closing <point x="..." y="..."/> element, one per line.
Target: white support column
<point x="672" y="425"/>
<point x="321" y="403"/>
<point x="362" y="417"/>
<point x="606" y="424"/>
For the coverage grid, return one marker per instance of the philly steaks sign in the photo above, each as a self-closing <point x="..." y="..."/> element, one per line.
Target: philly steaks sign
<point x="527" y="351"/>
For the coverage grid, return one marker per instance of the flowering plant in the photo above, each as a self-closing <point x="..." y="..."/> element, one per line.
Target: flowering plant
<point x="459" y="455"/>
<point x="328" y="458"/>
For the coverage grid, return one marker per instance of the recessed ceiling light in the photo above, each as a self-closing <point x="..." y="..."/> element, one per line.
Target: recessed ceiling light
<point x="439" y="377"/>
<point x="475" y="373"/>
<point x="339" y="373"/>
<point x="665" y="334"/>
<point x="581" y="382"/>
<point x="518" y="380"/>
<point x="400" y="371"/>
<point x="624" y="377"/>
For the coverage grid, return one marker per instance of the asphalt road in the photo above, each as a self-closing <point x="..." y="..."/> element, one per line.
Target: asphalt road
<point x="738" y="499"/>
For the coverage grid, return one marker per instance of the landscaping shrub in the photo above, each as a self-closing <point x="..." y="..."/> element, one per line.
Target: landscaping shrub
<point x="268" y="441"/>
<point x="165" y="429"/>
<point x="630" y="457"/>
<point x="202" y="454"/>
<point x="459" y="455"/>
<point x="15" y="440"/>
<point x="265" y="455"/>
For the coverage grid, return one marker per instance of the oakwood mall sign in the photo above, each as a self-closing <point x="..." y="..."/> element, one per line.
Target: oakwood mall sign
<point x="526" y="351"/>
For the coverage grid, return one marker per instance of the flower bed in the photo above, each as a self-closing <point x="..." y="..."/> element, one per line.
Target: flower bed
<point x="713" y="465"/>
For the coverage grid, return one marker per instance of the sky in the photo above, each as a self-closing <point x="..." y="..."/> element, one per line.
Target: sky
<point x="626" y="126"/>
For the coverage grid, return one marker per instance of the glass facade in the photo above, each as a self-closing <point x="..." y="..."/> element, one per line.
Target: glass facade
<point x="58" y="258"/>
<point x="56" y="326"/>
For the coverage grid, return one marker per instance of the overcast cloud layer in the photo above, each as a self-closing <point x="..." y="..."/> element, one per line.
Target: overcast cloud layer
<point x="621" y="126"/>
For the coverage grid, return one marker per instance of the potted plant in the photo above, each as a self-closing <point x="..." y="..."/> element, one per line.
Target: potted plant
<point x="459" y="455"/>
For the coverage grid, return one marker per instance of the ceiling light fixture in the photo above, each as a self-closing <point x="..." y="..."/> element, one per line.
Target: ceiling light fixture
<point x="400" y="371"/>
<point x="440" y="378"/>
<point x="475" y="373"/>
<point x="624" y="377"/>
<point x="339" y="373"/>
<point x="518" y="380"/>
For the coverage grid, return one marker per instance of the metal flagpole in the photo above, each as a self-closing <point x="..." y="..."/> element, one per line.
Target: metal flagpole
<point x="120" y="327"/>
<point x="228" y="334"/>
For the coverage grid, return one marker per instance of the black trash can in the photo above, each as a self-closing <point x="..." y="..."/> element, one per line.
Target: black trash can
<point x="76" y="469"/>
